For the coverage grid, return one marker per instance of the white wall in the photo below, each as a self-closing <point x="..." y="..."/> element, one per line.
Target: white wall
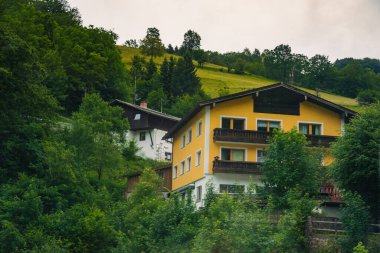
<point x="147" y="150"/>
<point x="223" y="178"/>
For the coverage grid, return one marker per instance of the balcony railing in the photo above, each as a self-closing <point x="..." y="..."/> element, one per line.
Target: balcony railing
<point x="330" y="194"/>
<point x="251" y="136"/>
<point x="238" y="167"/>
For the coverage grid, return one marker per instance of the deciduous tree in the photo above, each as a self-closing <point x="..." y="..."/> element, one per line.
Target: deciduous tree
<point x="152" y="45"/>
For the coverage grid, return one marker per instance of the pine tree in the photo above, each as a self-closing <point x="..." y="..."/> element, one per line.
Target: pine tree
<point x="164" y="75"/>
<point x="151" y="69"/>
<point x="185" y="80"/>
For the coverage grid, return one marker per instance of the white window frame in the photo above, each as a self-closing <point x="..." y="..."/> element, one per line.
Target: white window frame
<point x="234" y="117"/>
<point x="137" y="116"/>
<point x="199" y="129"/>
<point x="189" y="136"/>
<point x="257" y="153"/>
<point x="183" y="141"/>
<point x="198" y="194"/>
<point x="310" y="122"/>
<point x="198" y="159"/>
<point x="264" y="119"/>
<point x="188" y="164"/>
<point x="241" y="148"/>
<point x="245" y="188"/>
<point x="175" y="171"/>
<point x="182" y="167"/>
<point x="142" y="132"/>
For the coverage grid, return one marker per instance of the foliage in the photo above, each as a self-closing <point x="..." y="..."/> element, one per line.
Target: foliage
<point x="290" y="165"/>
<point x="360" y="248"/>
<point x="355" y="219"/>
<point x="152" y="45"/>
<point x="191" y="42"/>
<point x="357" y="161"/>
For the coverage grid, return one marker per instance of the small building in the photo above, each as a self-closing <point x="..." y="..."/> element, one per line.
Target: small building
<point x="147" y="127"/>
<point x="224" y="139"/>
<point x="164" y="172"/>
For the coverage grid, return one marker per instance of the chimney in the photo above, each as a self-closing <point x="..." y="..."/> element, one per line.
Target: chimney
<point x="143" y="104"/>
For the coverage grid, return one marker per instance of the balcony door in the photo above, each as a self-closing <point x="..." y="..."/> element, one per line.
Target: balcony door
<point x="233" y="123"/>
<point x="267" y="125"/>
<point x="229" y="154"/>
<point x="310" y="128"/>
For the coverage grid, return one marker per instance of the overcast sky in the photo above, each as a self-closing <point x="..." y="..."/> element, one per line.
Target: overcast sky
<point x="337" y="28"/>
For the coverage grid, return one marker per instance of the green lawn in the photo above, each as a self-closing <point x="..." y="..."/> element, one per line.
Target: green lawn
<point x="215" y="78"/>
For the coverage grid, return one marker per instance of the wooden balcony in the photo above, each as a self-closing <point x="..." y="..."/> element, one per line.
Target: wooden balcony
<point x="251" y="136"/>
<point x="237" y="167"/>
<point x="330" y="195"/>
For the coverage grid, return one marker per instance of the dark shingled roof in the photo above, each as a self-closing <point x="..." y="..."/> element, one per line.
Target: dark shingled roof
<point x="310" y="97"/>
<point x="146" y="110"/>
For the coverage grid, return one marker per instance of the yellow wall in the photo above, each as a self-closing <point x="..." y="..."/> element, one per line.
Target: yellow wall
<point x="180" y="154"/>
<point x="242" y="107"/>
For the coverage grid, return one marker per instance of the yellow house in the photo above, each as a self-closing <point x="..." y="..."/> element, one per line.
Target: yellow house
<point x="224" y="139"/>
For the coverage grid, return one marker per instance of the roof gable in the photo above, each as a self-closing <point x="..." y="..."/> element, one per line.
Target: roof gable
<point x="298" y="94"/>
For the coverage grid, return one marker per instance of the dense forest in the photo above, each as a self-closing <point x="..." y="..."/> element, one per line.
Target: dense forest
<point x="64" y="159"/>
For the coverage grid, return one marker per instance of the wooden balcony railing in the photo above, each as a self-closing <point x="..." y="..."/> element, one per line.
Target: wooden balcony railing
<point x="251" y="136"/>
<point x="330" y="193"/>
<point x="238" y="167"/>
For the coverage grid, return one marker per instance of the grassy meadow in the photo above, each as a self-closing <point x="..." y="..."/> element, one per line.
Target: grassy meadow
<point x="215" y="79"/>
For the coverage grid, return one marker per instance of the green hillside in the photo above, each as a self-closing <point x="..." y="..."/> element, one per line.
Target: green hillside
<point x="215" y="78"/>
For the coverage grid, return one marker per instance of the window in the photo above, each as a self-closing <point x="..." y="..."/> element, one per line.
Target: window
<point x="267" y="125"/>
<point x="199" y="128"/>
<point x="233" y="154"/>
<point x="188" y="163"/>
<point x="198" y="158"/>
<point x="175" y="171"/>
<point x="137" y="116"/>
<point x="182" y="167"/>
<point x="308" y="128"/>
<point x="232" y="123"/>
<point x="142" y="136"/>
<point x="199" y="193"/>
<point x="189" y="134"/>
<point x="168" y="156"/>
<point x="183" y="141"/>
<point x="261" y="155"/>
<point x="231" y="188"/>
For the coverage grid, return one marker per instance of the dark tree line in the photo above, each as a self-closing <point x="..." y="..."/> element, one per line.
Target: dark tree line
<point x="170" y="87"/>
<point x="348" y="77"/>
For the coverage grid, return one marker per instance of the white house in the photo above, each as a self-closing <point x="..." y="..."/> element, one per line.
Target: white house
<point x="147" y="127"/>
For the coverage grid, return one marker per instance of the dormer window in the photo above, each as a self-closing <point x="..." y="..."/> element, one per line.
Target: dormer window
<point x="137" y="116"/>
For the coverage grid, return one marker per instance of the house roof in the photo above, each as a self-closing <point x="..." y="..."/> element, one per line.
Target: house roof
<point x="146" y="110"/>
<point x="310" y="97"/>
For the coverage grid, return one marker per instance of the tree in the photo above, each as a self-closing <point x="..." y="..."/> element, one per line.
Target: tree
<point x="170" y="49"/>
<point x="355" y="220"/>
<point x="200" y="56"/>
<point x="356" y="167"/>
<point x="152" y="45"/>
<point x="98" y="134"/>
<point x="320" y="72"/>
<point x="185" y="79"/>
<point x="151" y="69"/>
<point x="290" y="165"/>
<point x="131" y="43"/>
<point x="278" y="62"/>
<point x="191" y="41"/>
